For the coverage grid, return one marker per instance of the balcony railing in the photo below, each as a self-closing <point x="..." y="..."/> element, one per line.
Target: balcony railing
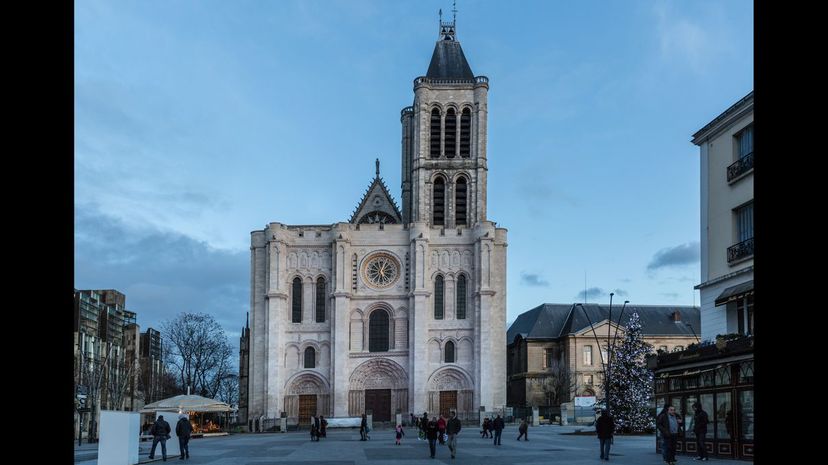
<point x="739" y="251"/>
<point x="742" y="166"/>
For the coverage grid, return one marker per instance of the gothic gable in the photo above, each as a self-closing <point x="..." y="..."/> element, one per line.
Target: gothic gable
<point x="377" y="205"/>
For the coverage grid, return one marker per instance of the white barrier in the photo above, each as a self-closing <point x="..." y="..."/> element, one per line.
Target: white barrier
<point x="120" y="432"/>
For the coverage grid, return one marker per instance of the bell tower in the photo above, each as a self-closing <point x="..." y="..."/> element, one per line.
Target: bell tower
<point x="444" y="140"/>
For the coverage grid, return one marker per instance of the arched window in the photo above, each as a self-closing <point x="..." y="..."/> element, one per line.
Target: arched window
<point x="378" y="331"/>
<point x="451" y="133"/>
<point x="297" y="300"/>
<point x="320" y="300"/>
<point x="310" y="358"/>
<point x="435" y="133"/>
<point x="460" y="201"/>
<point x="461" y="297"/>
<point x="439" y="197"/>
<point x="438" y="298"/>
<point x="465" y="133"/>
<point x="449" y="358"/>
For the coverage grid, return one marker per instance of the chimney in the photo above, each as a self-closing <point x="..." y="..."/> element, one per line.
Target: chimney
<point x="677" y="316"/>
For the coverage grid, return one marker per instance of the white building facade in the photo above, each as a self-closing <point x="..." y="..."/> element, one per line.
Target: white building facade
<point x="395" y="311"/>
<point x="726" y="289"/>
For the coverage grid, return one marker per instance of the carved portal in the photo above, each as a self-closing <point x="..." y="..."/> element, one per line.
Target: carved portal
<point x="378" y="373"/>
<point x="307" y="383"/>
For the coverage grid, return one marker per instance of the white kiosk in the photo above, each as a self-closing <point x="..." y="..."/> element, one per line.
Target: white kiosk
<point x="119" y="436"/>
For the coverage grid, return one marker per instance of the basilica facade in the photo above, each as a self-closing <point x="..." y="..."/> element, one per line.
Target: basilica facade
<point x="396" y="310"/>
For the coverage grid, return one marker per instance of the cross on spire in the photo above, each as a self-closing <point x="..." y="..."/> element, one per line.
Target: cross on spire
<point x="447" y="28"/>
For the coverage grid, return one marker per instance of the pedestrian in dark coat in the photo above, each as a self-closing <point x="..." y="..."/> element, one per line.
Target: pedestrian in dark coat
<point x="700" y="421"/>
<point x="669" y="425"/>
<point x="453" y="428"/>
<point x="183" y="429"/>
<point x="431" y="434"/>
<point x="523" y="429"/>
<point x="323" y="426"/>
<point x="160" y="433"/>
<point x="363" y="428"/>
<point x="605" y="427"/>
<point x="487" y="426"/>
<point x="497" y="426"/>
<point x="314" y="429"/>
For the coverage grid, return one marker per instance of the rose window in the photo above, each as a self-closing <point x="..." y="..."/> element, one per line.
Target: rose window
<point x="381" y="271"/>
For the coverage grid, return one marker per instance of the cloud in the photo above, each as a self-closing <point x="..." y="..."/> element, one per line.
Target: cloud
<point x="161" y="273"/>
<point x="692" y="43"/>
<point x="680" y="255"/>
<point x="533" y="279"/>
<point x="596" y="293"/>
<point x="591" y="294"/>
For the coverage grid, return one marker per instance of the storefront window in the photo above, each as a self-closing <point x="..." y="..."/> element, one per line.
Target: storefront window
<point x="723" y="376"/>
<point x="746" y="414"/>
<point x="724" y="415"/>
<point x="707" y="406"/>
<point x="746" y="373"/>
<point x="688" y="416"/>
<point x="675" y="384"/>
<point x="707" y="378"/>
<point x="660" y="385"/>
<point x="691" y="382"/>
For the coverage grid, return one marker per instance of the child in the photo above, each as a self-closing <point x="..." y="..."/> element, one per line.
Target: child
<point x="400" y="433"/>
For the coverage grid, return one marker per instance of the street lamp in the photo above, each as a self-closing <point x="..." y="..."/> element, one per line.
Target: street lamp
<point x="597" y="342"/>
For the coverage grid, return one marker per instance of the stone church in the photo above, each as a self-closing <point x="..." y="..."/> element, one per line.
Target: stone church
<point x="395" y="310"/>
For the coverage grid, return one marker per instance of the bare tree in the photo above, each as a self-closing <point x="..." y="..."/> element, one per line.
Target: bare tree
<point x="198" y="353"/>
<point x="560" y="383"/>
<point x="229" y="389"/>
<point x="91" y="375"/>
<point x="119" y="381"/>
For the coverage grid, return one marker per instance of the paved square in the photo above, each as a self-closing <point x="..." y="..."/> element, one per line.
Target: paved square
<point x="343" y="447"/>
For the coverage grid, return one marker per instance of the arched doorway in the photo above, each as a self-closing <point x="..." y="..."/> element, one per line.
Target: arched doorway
<point x="306" y="394"/>
<point x="379" y="385"/>
<point x="451" y="388"/>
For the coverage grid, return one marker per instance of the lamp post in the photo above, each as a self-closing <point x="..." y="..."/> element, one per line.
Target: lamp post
<point x="597" y="342"/>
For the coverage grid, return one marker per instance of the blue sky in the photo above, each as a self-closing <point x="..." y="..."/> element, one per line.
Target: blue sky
<point x="197" y="122"/>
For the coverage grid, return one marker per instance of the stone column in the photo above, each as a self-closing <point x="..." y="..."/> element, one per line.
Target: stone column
<point x="418" y="321"/>
<point x="340" y="326"/>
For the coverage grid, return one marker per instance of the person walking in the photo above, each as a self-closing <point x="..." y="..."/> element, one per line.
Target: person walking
<point x="431" y="434"/>
<point x="363" y="428"/>
<point x="497" y="426"/>
<point x="605" y="427"/>
<point x="314" y="428"/>
<point x="700" y="421"/>
<point x="400" y="434"/>
<point x="323" y="426"/>
<point x="413" y="419"/>
<point x="423" y="425"/>
<point x="183" y="429"/>
<point x="160" y="433"/>
<point x="486" y="426"/>
<point x="668" y="424"/>
<point x="441" y="428"/>
<point x="453" y="428"/>
<point x="523" y="429"/>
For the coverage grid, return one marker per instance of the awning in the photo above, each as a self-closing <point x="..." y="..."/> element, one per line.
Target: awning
<point x="184" y="403"/>
<point x="735" y="292"/>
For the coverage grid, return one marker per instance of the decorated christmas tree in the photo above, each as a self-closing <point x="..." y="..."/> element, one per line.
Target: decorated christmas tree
<point x="631" y="382"/>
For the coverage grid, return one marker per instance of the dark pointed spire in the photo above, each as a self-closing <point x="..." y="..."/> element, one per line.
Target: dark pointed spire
<point x="378" y="167"/>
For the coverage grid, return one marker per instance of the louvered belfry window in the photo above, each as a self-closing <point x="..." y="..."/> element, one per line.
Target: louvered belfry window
<point x="439" y="304"/>
<point x="465" y="133"/>
<point x="439" y="213"/>
<point x="460" y="201"/>
<point x="435" y="133"/>
<point x="297" y="300"/>
<point x="451" y="133"/>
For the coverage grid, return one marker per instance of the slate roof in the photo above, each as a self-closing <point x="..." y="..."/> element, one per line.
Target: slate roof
<point x="554" y="321"/>
<point x="449" y="62"/>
